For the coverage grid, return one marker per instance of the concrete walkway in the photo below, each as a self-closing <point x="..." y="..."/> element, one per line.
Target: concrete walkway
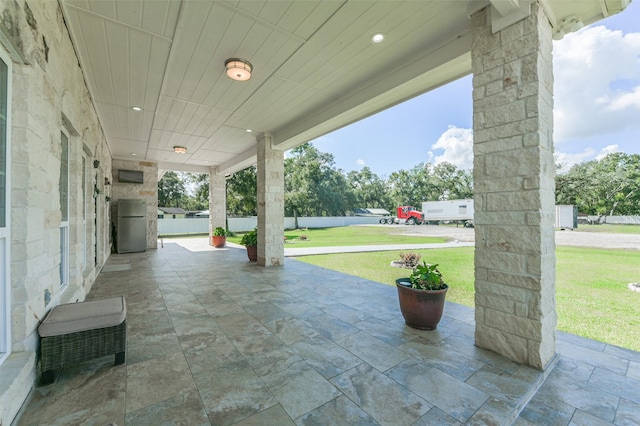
<point x="307" y="251"/>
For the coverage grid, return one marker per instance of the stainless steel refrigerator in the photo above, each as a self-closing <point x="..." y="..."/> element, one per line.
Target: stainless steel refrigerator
<point x="132" y="226"/>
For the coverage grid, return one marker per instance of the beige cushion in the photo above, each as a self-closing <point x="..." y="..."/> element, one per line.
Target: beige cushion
<point x="83" y="316"/>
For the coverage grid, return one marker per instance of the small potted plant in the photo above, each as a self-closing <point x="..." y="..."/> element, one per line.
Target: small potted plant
<point x="422" y="296"/>
<point x="219" y="237"/>
<point x="250" y="241"/>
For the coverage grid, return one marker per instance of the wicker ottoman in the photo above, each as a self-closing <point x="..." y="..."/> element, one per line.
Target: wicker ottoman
<point x="77" y="332"/>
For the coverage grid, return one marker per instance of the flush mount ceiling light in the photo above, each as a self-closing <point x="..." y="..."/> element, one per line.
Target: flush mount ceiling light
<point x="238" y="69"/>
<point x="136" y="108"/>
<point x="180" y="149"/>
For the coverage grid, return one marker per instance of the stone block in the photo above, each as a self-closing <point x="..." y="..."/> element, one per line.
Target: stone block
<point x="491" y="183"/>
<point x="500" y="218"/>
<point x="520" y="281"/>
<point x="495" y="303"/>
<point x="513" y="239"/>
<point x="512" y="33"/>
<point x="509" y="345"/>
<point x="498" y="145"/>
<point x="494" y="88"/>
<point x="541" y="353"/>
<point x="503" y="291"/>
<point x="522" y="162"/>
<point x="513" y="201"/>
<point x="512" y="324"/>
<point x="487" y="77"/>
<point x="506" y="130"/>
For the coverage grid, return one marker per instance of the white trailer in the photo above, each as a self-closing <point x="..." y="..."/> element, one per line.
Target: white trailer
<point x="461" y="210"/>
<point x="566" y="216"/>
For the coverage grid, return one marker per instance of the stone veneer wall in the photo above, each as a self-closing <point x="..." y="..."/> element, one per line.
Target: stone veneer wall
<point x="217" y="201"/>
<point x="49" y="95"/>
<point x="147" y="191"/>
<point x="514" y="175"/>
<point x="270" y="204"/>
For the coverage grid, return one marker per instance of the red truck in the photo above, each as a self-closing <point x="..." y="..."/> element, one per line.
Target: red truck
<point x="405" y="214"/>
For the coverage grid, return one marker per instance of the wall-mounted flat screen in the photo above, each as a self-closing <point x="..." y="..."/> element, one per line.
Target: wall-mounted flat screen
<point x="130" y="176"/>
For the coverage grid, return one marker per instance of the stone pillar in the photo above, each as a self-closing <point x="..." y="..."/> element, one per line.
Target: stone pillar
<point x="270" y="203"/>
<point x="217" y="201"/>
<point x="514" y="175"/>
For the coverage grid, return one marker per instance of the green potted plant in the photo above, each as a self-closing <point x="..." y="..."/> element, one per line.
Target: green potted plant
<point x="422" y="296"/>
<point x="250" y="241"/>
<point x="219" y="237"/>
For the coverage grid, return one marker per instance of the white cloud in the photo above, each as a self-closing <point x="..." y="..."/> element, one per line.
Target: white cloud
<point x="597" y="83"/>
<point x="607" y="150"/>
<point x="457" y="144"/>
<point x="569" y="160"/>
<point x="360" y="162"/>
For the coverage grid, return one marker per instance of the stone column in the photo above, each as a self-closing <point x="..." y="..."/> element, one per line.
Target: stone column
<point x="270" y="203"/>
<point x="514" y="175"/>
<point x="217" y="201"/>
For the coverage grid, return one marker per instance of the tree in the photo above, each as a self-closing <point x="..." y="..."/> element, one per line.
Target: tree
<point x="368" y="189"/>
<point x="602" y="187"/>
<point x="313" y="187"/>
<point x="199" y="184"/>
<point x="171" y="190"/>
<point x="452" y="183"/>
<point x="242" y="193"/>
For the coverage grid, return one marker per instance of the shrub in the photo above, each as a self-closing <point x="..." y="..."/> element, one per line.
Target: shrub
<point x="250" y="238"/>
<point x="410" y="260"/>
<point x="427" y="277"/>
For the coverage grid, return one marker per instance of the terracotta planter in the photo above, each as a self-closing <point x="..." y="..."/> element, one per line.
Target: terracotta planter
<point x="252" y="253"/>
<point x="218" y="241"/>
<point x="421" y="309"/>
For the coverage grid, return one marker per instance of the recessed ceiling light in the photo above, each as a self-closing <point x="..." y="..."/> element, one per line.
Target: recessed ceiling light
<point x="249" y="130"/>
<point x="377" y="38"/>
<point x="180" y="149"/>
<point x="136" y="108"/>
<point x="134" y="154"/>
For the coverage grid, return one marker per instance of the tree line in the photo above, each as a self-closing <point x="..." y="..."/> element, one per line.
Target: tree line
<point x="315" y="187"/>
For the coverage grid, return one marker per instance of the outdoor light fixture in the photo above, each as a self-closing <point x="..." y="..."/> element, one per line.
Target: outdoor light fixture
<point x="238" y="69"/>
<point x="180" y="149"/>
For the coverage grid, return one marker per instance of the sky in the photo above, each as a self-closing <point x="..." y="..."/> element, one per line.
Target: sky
<point x="596" y="109"/>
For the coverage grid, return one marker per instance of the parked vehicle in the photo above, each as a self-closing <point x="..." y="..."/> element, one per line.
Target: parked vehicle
<point x="405" y="214"/>
<point x="449" y="210"/>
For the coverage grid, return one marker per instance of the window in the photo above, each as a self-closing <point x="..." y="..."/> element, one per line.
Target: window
<point x="5" y="189"/>
<point x="64" y="209"/>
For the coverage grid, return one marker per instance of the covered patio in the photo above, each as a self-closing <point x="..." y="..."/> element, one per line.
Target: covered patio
<point x="215" y="339"/>
<point x="91" y="89"/>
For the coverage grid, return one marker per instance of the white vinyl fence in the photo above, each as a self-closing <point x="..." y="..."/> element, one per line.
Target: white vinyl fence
<point x="617" y="220"/>
<point x="242" y="224"/>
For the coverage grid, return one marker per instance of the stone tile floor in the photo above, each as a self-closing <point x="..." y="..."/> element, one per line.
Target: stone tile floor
<point x="216" y="340"/>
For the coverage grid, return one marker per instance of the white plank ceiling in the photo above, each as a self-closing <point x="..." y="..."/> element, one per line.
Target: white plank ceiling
<point x="315" y="68"/>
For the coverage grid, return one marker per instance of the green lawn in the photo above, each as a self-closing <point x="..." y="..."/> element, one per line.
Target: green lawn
<point x="614" y="229"/>
<point x="349" y="236"/>
<point x="591" y="285"/>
